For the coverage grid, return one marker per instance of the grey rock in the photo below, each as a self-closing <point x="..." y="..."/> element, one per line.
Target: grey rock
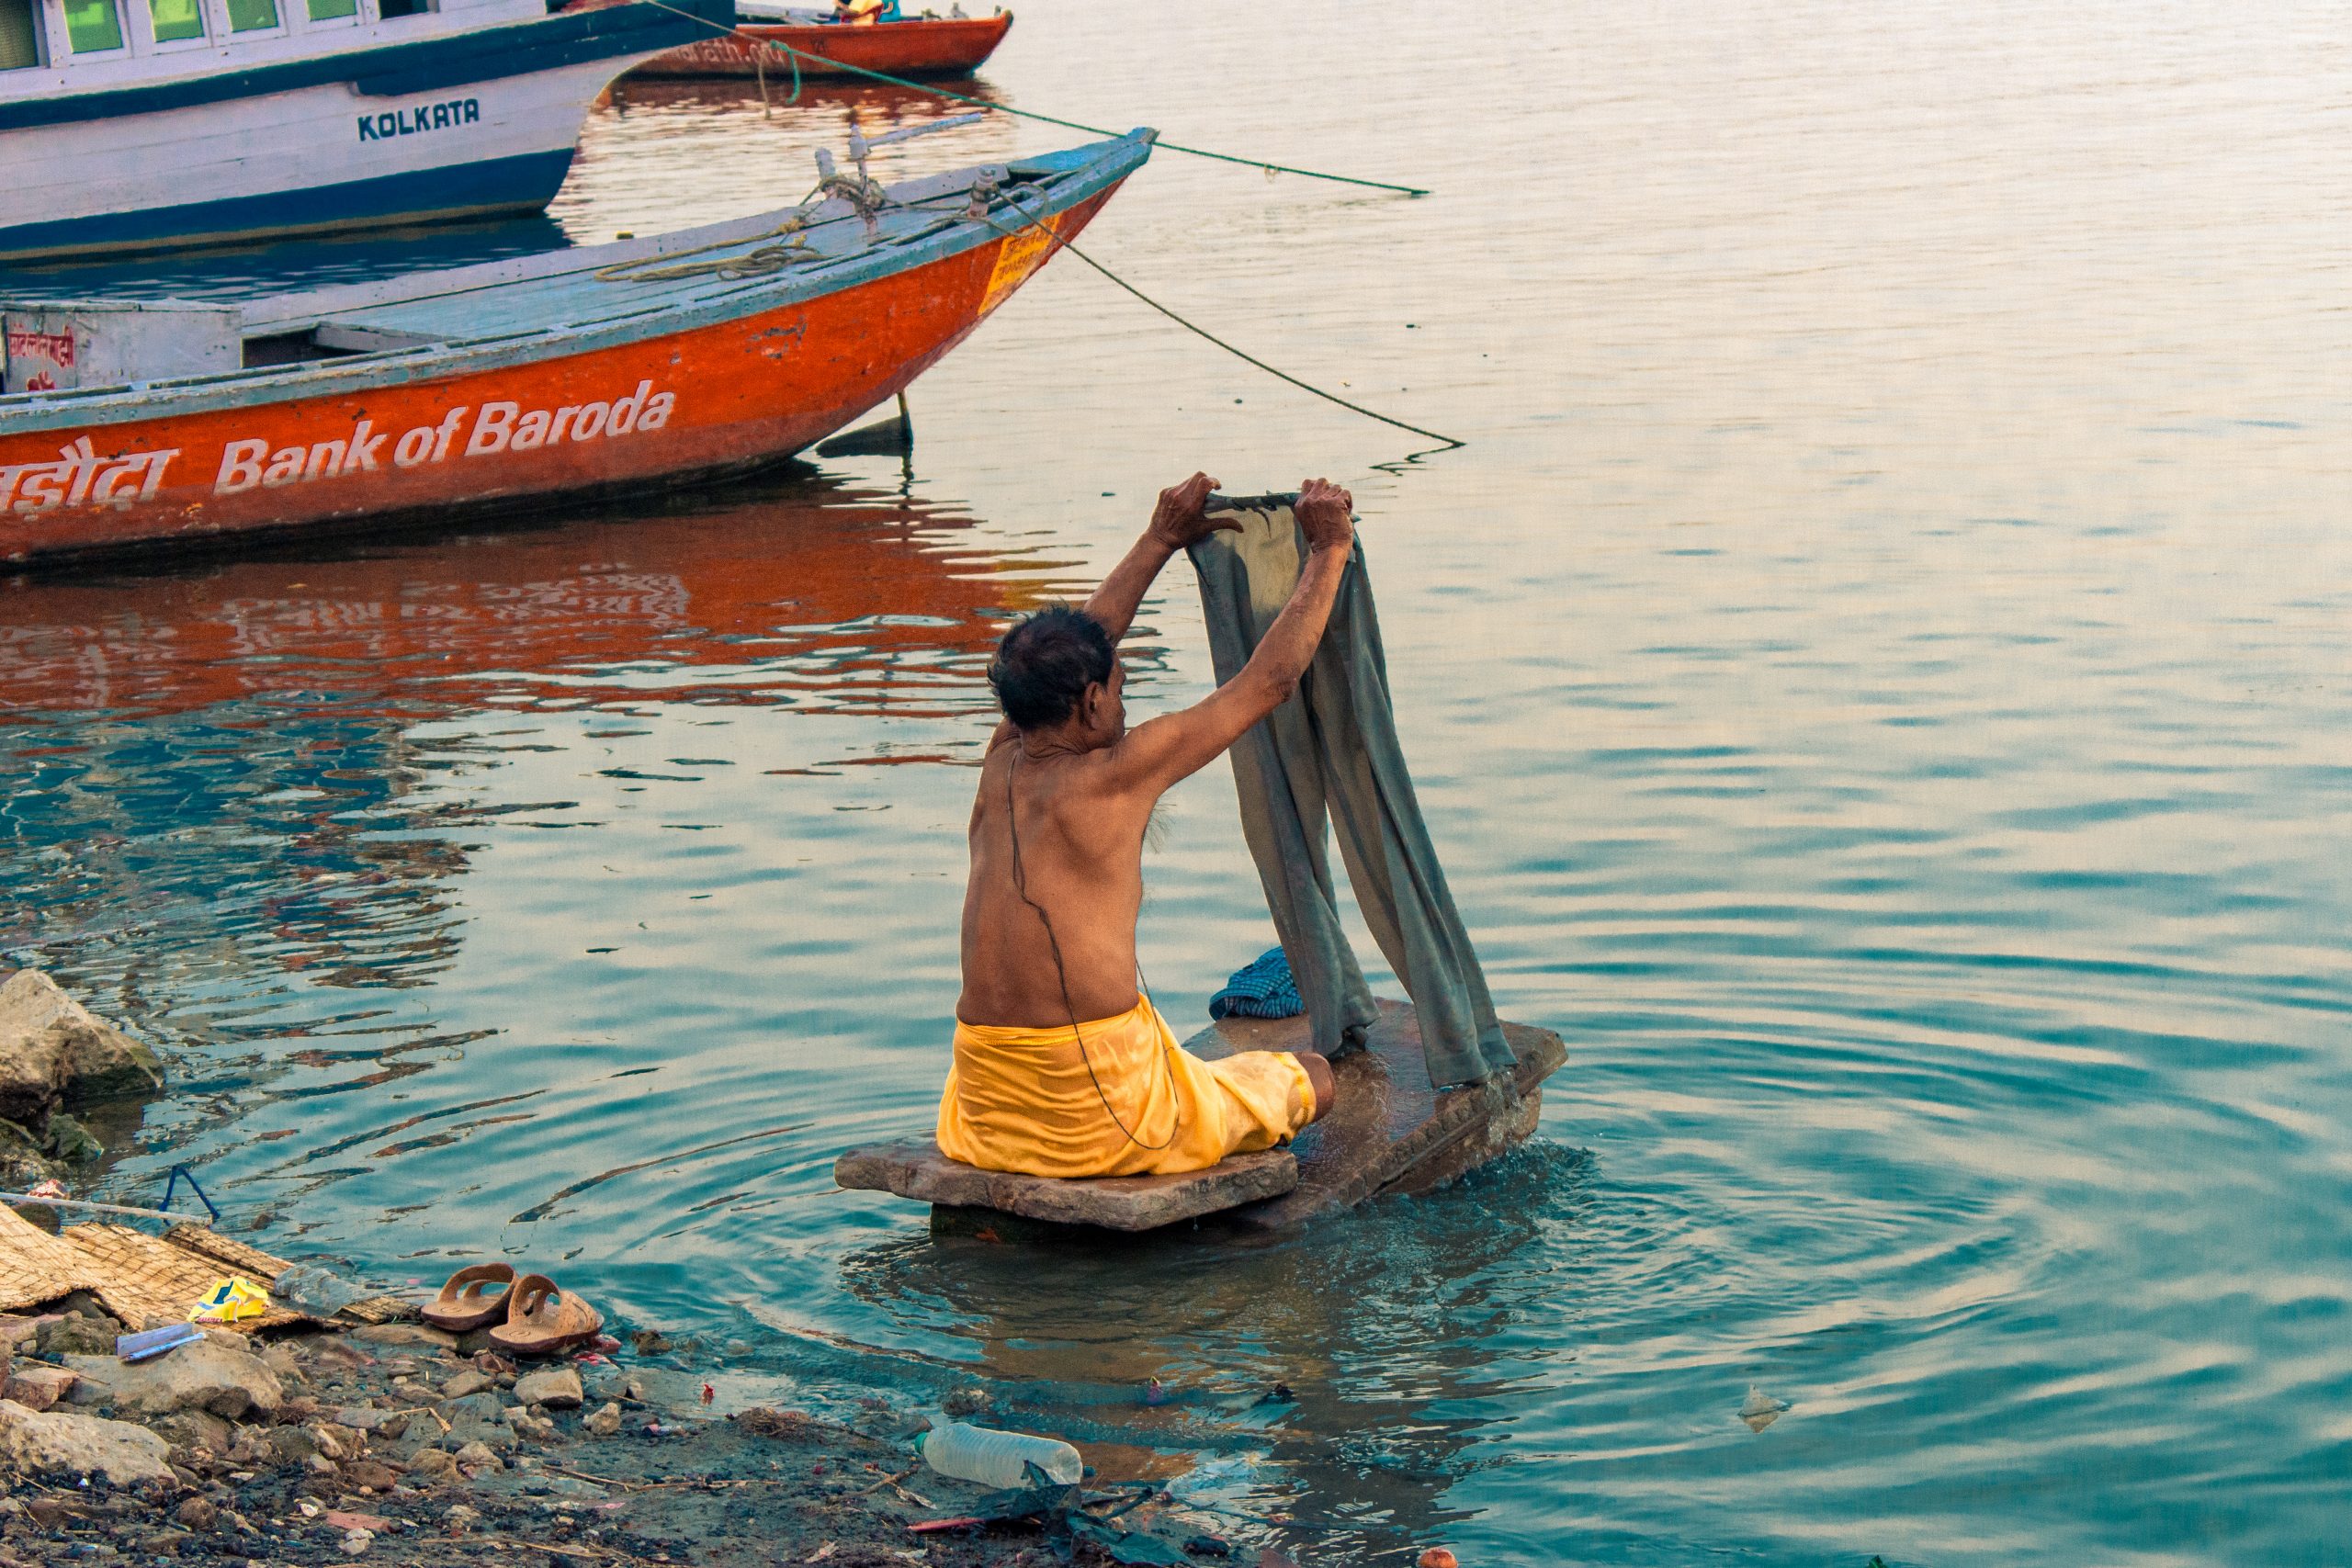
<point x="558" y="1388"/>
<point x="56" y="1443"/>
<point x="474" y="1342"/>
<point x="603" y="1423"/>
<point x="66" y="1139"/>
<point x="432" y="1464"/>
<point x="477" y="1454"/>
<point x="914" y="1167"/>
<point x="197" y="1430"/>
<point x="337" y="1443"/>
<point x="75" y="1337"/>
<point x="476" y="1418"/>
<point x="55" y="1051"/>
<point x="292" y="1444"/>
<point x="217" y="1373"/>
<point x="466" y="1382"/>
<point x="405" y="1334"/>
<point x="22" y="1165"/>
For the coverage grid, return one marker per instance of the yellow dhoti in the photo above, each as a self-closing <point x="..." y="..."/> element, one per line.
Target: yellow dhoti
<point x="1022" y="1100"/>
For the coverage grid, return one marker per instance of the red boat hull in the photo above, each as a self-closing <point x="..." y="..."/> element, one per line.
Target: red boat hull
<point x="944" y="47"/>
<point x="726" y="397"/>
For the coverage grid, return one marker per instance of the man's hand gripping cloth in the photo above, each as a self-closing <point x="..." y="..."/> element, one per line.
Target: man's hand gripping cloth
<point x="1022" y="1100"/>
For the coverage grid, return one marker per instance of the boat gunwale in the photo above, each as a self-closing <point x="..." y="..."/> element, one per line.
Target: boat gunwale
<point x="379" y="67"/>
<point x="1092" y="169"/>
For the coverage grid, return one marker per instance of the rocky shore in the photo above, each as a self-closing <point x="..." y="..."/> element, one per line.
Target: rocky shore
<point x="395" y="1442"/>
<point x="402" y="1444"/>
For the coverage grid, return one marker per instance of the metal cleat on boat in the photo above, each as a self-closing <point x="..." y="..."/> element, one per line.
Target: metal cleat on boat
<point x="860" y="190"/>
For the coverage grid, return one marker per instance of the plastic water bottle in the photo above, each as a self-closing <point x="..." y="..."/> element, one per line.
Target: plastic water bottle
<point x="996" y="1459"/>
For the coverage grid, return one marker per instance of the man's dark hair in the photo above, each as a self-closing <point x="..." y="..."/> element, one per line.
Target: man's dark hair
<point x="1045" y="664"/>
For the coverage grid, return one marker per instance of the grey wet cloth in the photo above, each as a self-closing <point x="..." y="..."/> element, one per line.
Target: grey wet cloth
<point x="1330" y="753"/>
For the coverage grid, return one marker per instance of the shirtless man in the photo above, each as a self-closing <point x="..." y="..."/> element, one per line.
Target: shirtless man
<point x="1061" y="1067"/>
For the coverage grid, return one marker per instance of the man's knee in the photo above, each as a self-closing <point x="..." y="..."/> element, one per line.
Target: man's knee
<point x="1326" y="1083"/>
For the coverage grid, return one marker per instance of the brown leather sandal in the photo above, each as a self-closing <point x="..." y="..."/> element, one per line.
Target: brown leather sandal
<point x="545" y="1321"/>
<point x="463" y="1305"/>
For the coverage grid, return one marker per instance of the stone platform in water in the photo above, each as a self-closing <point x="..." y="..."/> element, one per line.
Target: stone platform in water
<point x="1391" y="1133"/>
<point x="913" y="1167"/>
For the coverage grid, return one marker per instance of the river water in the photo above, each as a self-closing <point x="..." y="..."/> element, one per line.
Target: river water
<point x="1877" y="674"/>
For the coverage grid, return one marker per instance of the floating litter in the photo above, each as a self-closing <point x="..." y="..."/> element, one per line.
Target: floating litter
<point x="1760" y="1410"/>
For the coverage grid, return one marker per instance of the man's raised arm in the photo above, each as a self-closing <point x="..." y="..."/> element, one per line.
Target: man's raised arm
<point x="1159" y="753"/>
<point x="1178" y="521"/>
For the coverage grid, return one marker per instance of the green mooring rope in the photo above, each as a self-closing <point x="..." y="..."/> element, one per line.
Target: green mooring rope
<point x="798" y="55"/>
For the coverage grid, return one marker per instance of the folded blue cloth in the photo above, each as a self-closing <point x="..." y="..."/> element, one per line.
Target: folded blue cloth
<point x="1259" y="989"/>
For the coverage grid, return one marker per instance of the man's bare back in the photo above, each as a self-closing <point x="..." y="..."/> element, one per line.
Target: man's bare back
<point x="1049" y="933"/>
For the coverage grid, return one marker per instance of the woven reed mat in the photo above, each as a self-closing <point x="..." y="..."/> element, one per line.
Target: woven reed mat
<point x="149" y="1281"/>
<point x="36" y="1266"/>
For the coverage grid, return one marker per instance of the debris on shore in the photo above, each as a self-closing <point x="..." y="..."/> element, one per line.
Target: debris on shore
<point x="403" y="1444"/>
<point x="318" y="1424"/>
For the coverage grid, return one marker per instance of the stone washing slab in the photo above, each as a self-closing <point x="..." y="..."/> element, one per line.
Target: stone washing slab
<point x="913" y="1167"/>
<point x="1392" y="1132"/>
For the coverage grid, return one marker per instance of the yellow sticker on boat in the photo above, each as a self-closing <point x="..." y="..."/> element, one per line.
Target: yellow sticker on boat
<point x="1021" y="255"/>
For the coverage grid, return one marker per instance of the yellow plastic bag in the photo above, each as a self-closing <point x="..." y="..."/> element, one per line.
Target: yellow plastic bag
<point x="231" y="1300"/>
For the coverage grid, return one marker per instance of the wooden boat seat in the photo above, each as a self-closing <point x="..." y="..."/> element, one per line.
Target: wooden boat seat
<point x="1391" y="1133"/>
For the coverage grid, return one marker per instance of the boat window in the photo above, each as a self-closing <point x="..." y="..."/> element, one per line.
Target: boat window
<point x="251" y="15"/>
<point x="391" y="8"/>
<point x="92" y="26"/>
<point x="176" y="20"/>
<point x="19" y="36"/>
<point x="332" y="10"/>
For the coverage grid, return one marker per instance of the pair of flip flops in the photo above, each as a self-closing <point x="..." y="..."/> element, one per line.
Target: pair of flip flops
<point x="532" y="1315"/>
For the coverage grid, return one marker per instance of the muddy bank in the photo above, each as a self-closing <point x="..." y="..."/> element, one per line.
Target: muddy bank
<point x="400" y="1444"/>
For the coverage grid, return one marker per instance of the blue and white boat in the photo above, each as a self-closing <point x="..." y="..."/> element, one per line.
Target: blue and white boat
<point x="139" y="124"/>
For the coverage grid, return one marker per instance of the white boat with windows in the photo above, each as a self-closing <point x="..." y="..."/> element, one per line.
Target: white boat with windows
<point x="138" y="124"/>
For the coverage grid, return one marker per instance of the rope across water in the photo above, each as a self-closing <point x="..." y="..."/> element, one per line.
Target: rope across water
<point x="776" y="257"/>
<point x="798" y="55"/>
<point x="1057" y="243"/>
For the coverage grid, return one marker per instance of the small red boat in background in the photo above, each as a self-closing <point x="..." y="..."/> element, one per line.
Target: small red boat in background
<point x="911" y="46"/>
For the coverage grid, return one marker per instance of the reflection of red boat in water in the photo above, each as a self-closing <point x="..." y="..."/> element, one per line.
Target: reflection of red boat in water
<point x="911" y="46"/>
<point x="783" y="590"/>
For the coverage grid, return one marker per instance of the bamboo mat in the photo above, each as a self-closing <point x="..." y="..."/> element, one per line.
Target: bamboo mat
<point x="149" y="1280"/>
